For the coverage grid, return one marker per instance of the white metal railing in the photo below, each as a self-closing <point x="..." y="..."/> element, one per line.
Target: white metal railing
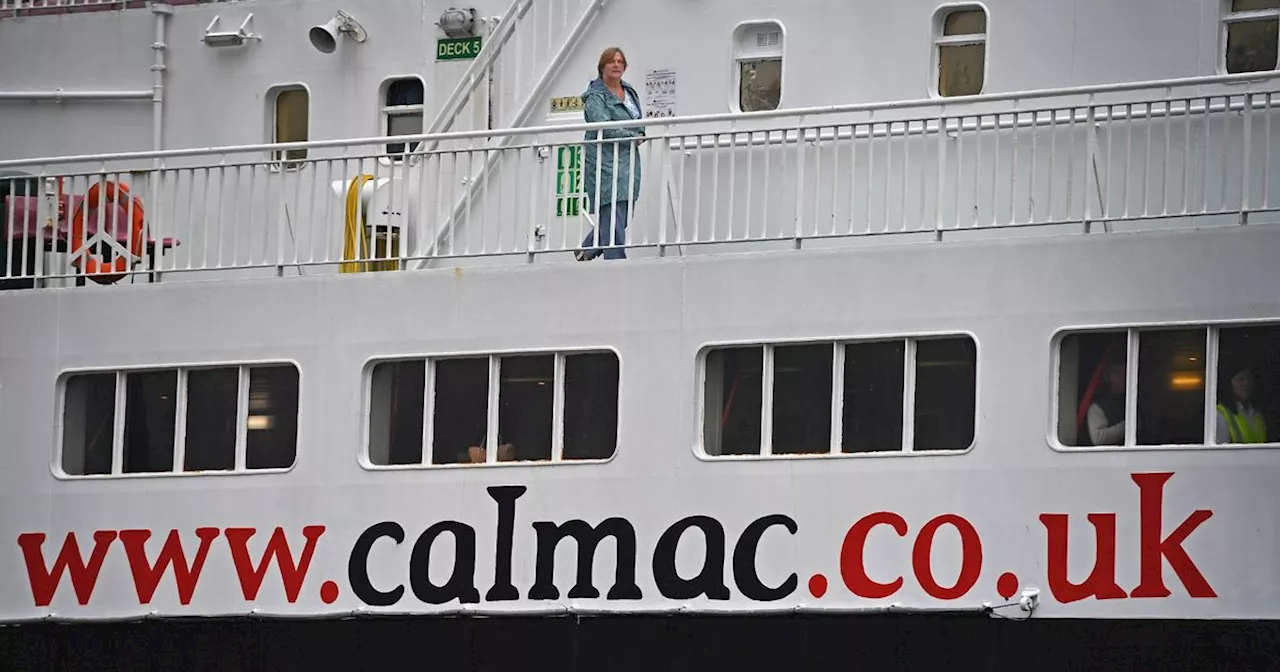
<point x="1179" y="153"/>
<point x="24" y="7"/>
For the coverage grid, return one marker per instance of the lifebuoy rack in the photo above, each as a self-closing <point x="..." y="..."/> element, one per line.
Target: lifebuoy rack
<point x="82" y="255"/>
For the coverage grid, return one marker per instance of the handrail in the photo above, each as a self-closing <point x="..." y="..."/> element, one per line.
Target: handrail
<point x="1242" y="78"/>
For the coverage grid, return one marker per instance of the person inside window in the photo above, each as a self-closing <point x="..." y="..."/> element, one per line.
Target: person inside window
<point x="611" y="158"/>
<point x="1106" y="413"/>
<point x="1239" y="419"/>
<point x="477" y="454"/>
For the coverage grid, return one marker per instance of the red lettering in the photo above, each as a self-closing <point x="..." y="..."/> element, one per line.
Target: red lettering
<point x="1154" y="549"/>
<point x="851" y="566"/>
<point x="970" y="565"/>
<point x="277" y="547"/>
<point x="146" y="576"/>
<point x="1102" y="578"/>
<point x="44" y="582"/>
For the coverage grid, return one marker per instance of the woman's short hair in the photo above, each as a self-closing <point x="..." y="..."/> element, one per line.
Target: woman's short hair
<point x="607" y="56"/>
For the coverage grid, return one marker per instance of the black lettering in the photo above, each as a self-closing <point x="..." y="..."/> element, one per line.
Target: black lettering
<point x="709" y="581"/>
<point x="358" y="565"/>
<point x="588" y="538"/>
<point x="461" y="584"/>
<point x="505" y="496"/>
<point x="744" y="561"/>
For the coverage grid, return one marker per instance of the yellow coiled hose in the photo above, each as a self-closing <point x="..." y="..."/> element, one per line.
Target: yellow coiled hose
<point x="355" y="244"/>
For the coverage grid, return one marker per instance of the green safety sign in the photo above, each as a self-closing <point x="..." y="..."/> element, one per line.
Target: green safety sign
<point x="568" y="181"/>
<point x="457" y="49"/>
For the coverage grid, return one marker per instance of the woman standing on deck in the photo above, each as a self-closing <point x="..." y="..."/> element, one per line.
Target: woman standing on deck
<point x="612" y="165"/>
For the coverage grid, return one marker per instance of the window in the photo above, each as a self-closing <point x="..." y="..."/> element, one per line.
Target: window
<point x="537" y="407"/>
<point x="1184" y="386"/>
<point x="894" y="396"/>
<point x="960" y="38"/>
<point x="758" y="51"/>
<point x="402" y="106"/>
<point x="1250" y="31"/>
<point x="184" y="420"/>
<point x="290" y="122"/>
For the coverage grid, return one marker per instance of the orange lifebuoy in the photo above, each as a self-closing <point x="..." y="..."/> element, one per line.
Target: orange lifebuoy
<point x="99" y="271"/>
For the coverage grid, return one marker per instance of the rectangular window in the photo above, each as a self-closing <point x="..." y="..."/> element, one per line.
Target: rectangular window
<point x="271" y="425"/>
<point x="960" y="40"/>
<point x="733" y="399"/>
<point x="460" y="415"/>
<point x="180" y="420"/>
<point x="945" y="403"/>
<point x="538" y="407"/>
<point x="1246" y="394"/>
<point x="402" y="108"/>
<point x="760" y="84"/>
<point x="1182" y="386"/>
<point x="590" y="406"/>
<point x="397" y="419"/>
<point x="1251" y="29"/>
<point x="212" y="400"/>
<point x="874" y="380"/>
<point x="831" y="398"/>
<point x="290" y="121"/>
<point x="802" y="399"/>
<point x="758" y="52"/>
<point x="1170" y="387"/>
<point x="88" y="423"/>
<point x="151" y="404"/>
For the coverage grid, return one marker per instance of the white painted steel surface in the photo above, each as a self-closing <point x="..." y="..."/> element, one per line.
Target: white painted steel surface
<point x="1099" y="120"/>
<point x="1012" y="295"/>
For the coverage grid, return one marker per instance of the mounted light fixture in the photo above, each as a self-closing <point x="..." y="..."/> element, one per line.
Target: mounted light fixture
<point x="324" y="37"/>
<point x="458" y="22"/>
<point x="226" y="38"/>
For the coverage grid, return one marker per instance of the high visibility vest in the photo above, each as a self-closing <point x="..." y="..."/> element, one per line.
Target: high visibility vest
<point x="1241" y="429"/>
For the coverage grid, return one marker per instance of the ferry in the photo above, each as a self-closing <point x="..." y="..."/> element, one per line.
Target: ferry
<point x="622" y="334"/>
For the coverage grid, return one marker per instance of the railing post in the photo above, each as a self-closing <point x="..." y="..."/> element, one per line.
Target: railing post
<point x="799" y="195"/>
<point x="1090" y="164"/>
<point x="1246" y="134"/>
<point x="942" y="171"/>
<point x="664" y="199"/>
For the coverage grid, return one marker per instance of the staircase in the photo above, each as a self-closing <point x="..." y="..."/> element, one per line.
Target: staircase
<point x="521" y="56"/>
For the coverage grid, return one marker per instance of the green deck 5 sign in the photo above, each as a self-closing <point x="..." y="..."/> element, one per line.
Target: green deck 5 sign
<point x="568" y="181"/>
<point x="457" y="49"/>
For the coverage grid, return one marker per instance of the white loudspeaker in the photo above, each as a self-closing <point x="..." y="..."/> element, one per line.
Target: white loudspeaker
<point x="325" y="37"/>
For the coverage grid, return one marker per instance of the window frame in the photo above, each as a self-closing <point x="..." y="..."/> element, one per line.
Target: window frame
<point x="276" y="159"/>
<point x="386" y="112"/>
<point x="494" y="406"/>
<point x="937" y="40"/>
<point x="907" y="449"/>
<point x="180" y="420"/>
<point x="739" y="57"/>
<point x="1226" y="17"/>
<point x="1212" y="328"/>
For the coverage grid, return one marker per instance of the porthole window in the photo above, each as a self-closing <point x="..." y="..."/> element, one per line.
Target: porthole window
<point x="960" y="50"/>
<point x="758" y="50"/>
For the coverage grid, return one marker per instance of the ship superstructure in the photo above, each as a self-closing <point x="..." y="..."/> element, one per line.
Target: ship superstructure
<point x="965" y="308"/>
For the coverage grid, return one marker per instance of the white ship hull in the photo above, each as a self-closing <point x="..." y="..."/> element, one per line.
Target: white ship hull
<point x="1132" y="195"/>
